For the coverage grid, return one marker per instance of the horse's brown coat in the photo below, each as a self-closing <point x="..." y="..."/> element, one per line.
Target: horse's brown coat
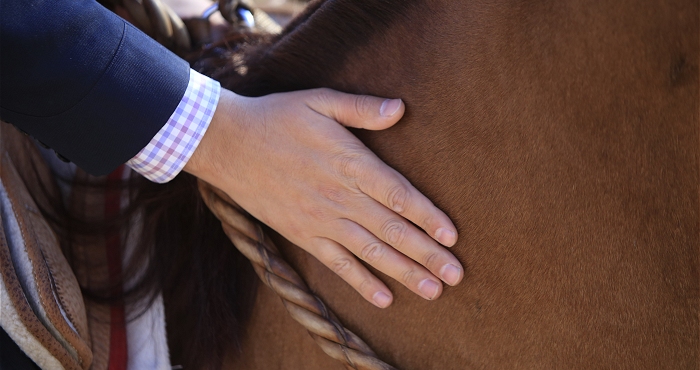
<point x="562" y="138"/>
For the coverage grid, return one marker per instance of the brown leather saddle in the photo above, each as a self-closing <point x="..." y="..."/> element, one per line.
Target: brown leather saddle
<point x="41" y="305"/>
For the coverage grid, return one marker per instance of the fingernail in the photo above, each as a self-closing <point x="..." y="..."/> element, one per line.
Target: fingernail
<point x="451" y="274"/>
<point x="390" y="107"/>
<point x="381" y="299"/>
<point x="446" y="237"/>
<point x="429" y="288"/>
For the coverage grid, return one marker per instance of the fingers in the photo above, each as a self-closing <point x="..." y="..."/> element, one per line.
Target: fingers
<point x="380" y="181"/>
<point x="345" y="265"/>
<point x="369" y="173"/>
<point x="358" y="111"/>
<point x="391" y="189"/>
<point x="386" y="259"/>
<point x="407" y="239"/>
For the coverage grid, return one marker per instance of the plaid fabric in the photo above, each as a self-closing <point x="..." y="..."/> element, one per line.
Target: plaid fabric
<point x="168" y="152"/>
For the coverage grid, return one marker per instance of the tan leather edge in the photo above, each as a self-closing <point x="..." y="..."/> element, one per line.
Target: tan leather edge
<point x="67" y="293"/>
<point x="39" y="179"/>
<point x="25" y="312"/>
<point x="18" y="332"/>
<point x="20" y="200"/>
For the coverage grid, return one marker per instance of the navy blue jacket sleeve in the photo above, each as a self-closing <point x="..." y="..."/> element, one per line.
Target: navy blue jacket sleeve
<point x="84" y="81"/>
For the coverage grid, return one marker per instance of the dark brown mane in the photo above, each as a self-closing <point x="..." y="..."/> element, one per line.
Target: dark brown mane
<point x="330" y="29"/>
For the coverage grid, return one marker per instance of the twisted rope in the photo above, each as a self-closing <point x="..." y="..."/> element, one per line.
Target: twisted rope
<point x="159" y="21"/>
<point x="303" y="305"/>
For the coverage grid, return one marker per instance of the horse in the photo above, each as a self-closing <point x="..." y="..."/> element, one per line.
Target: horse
<point x="561" y="137"/>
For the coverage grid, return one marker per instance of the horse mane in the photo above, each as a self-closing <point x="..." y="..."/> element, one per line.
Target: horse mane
<point x="306" y="54"/>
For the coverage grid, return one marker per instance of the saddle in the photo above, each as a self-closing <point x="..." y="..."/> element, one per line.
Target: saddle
<point x="42" y="307"/>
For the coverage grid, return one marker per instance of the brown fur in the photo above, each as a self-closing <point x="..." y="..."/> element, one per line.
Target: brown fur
<point x="562" y="139"/>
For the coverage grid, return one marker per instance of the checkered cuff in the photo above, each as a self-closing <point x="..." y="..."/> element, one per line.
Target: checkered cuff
<point x="168" y="152"/>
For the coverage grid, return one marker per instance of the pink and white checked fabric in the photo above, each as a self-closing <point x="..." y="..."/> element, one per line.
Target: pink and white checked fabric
<point x="168" y="152"/>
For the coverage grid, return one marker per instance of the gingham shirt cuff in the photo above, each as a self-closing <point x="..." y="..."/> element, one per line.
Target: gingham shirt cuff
<point x="168" y="152"/>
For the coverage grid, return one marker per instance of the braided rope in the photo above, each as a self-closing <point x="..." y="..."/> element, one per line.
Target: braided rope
<point x="303" y="305"/>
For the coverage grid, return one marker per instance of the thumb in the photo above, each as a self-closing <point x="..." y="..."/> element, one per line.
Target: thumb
<point x="358" y="111"/>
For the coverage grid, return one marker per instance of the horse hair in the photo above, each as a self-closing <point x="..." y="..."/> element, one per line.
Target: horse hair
<point x="306" y="54"/>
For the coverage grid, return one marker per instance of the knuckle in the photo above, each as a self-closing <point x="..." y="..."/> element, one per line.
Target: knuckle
<point x="314" y="210"/>
<point x="429" y="224"/>
<point x="322" y="96"/>
<point x="394" y="232"/>
<point x="430" y="258"/>
<point x="408" y="276"/>
<point x="363" y="106"/>
<point x="317" y="213"/>
<point x="365" y="286"/>
<point x="350" y="165"/>
<point x="334" y="194"/>
<point x="323" y="91"/>
<point x="373" y="252"/>
<point x="397" y="198"/>
<point x="342" y="266"/>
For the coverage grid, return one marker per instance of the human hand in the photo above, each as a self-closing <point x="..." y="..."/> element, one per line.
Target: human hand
<point x="285" y="159"/>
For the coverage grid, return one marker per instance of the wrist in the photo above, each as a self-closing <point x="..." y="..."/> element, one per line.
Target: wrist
<point x="221" y="140"/>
